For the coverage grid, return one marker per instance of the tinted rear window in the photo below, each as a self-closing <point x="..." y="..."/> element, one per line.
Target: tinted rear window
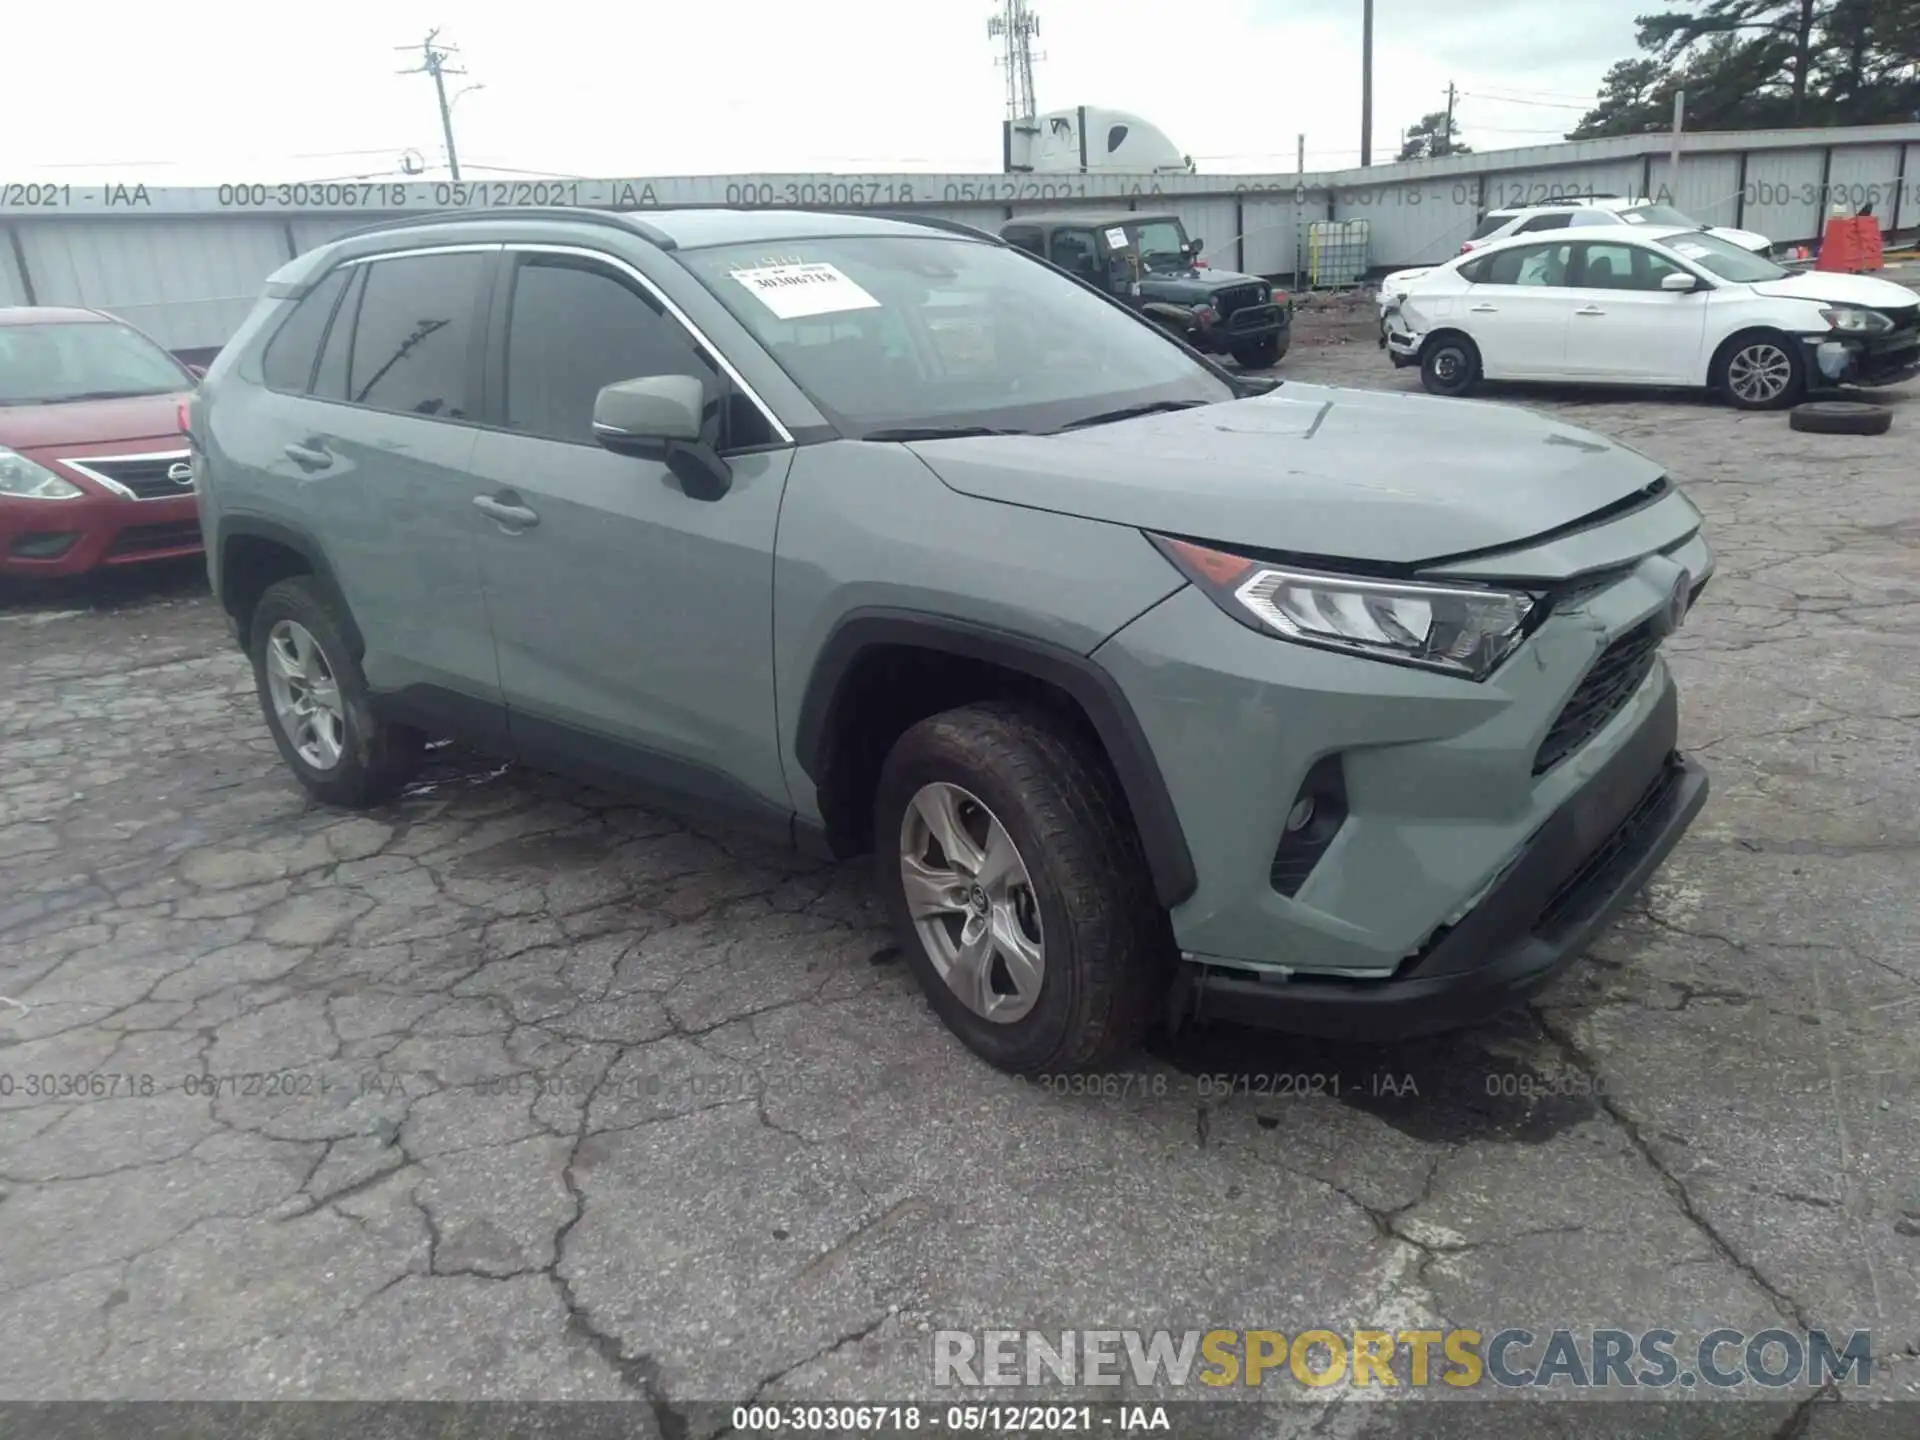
<point x="289" y="361"/>
<point x="410" y="345"/>
<point x="1488" y="225"/>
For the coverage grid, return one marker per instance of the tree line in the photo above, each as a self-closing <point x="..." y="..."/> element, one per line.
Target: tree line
<point x="1765" y="64"/>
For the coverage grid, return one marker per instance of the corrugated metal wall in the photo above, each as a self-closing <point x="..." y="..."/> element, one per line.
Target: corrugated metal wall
<point x="183" y="265"/>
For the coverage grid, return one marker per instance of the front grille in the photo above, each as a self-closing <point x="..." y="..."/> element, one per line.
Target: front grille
<point x="1612" y="681"/>
<point x="147" y="476"/>
<point x="1234" y="296"/>
<point x="1620" y="849"/>
<point x="142" y="539"/>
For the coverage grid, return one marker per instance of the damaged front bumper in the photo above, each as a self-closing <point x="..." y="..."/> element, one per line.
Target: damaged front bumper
<point x="1871" y="361"/>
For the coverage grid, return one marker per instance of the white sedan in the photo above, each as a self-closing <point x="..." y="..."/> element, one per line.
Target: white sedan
<point x="1643" y="305"/>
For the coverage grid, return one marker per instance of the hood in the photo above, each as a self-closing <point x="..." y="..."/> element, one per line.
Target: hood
<point x="1401" y="280"/>
<point x="1194" y="282"/>
<point x="1831" y="286"/>
<point x="90" y="422"/>
<point x="1353" y="474"/>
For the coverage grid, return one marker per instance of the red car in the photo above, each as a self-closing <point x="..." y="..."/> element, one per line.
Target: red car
<point x="93" y="467"/>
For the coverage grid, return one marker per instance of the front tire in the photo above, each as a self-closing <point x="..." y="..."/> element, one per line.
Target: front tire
<point x="1017" y="887"/>
<point x="1261" y="355"/>
<point x="1450" y="366"/>
<point x="314" y="698"/>
<point x="1762" y="370"/>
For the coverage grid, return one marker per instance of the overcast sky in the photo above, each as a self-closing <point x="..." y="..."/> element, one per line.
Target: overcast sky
<point x="223" y="92"/>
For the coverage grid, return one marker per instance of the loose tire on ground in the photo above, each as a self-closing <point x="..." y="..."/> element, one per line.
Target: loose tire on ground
<point x="1106" y="949"/>
<point x="375" y="759"/>
<point x="1450" y="365"/>
<point x="1840" y="417"/>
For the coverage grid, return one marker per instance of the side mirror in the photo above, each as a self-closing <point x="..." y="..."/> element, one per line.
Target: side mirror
<point x="663" y="417"/>
<point x="1196" y="245"/>
<point x="1681" y="284"/>
<point x="651" y="409"/>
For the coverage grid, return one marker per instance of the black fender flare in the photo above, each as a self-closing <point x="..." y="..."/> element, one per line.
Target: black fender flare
<point x="1089" y="685"/>
<point x="233" y="526"/>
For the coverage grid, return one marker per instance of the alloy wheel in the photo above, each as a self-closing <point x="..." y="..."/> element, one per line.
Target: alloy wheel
<point x="972" y="903"/>
<point x="306" y="697"/>
<point x="1760" y="373"/>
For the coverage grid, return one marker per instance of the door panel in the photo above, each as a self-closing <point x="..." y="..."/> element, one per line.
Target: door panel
<point x="1625" y="328"/>
<point x="374" y="461"/>
<point x="1518" y="312"/>
<point x="633" y="620"/>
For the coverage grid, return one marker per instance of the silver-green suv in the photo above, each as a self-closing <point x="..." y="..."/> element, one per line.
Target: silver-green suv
<point x="1159" y="692"/>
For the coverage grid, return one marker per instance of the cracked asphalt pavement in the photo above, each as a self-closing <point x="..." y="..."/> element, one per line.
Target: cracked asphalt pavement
<point x="515" y="1091"/>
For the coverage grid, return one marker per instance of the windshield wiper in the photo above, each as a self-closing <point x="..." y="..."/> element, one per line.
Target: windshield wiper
<point x="1129" y="412"/>
<point x="938" y="432"/>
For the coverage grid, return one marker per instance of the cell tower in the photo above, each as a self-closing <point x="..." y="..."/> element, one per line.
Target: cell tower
<point x="1016" y="25"/>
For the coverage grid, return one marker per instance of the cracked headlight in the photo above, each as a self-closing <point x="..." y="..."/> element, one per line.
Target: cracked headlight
<point x="1463" y="630"/>
<point x="21" y="477"/>
<point x="1856" y="320"/>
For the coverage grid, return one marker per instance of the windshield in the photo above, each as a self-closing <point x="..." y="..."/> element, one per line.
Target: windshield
<point x="1656" y="215"/>
<point x="901" y="332"/>
<point x="83" y="360"/>
<point x="1724" y="258"/>
<point x="1162" y="244"/>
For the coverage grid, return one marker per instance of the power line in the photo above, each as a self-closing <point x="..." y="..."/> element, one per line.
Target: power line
<point x="433" y="61"/>
<point x="1536" y="104"/>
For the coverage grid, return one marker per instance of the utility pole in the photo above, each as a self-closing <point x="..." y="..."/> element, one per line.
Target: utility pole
<point x="1300" y="155"/>
<point x="1673" y="155"/>
<point x="433" y="61"/>
<point x="1446" y="130"/>
<point x="1366" y="83"/>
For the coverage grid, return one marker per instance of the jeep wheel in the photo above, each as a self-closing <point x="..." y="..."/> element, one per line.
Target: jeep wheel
<point x="315" y="702"/>
<point x="1450" y="365"/>
<point x="1018" y="890"/>
<point x="1260" y="355"/>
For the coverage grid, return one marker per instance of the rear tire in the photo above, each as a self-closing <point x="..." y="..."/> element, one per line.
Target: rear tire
<point x="1450" y="365"/>
<point x="1077" y="953"/>
<point x="1761" y="370"/>
<point x="315" y="701"/>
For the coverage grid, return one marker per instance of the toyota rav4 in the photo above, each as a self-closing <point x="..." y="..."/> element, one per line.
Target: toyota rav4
<point x="1158" y="691"/>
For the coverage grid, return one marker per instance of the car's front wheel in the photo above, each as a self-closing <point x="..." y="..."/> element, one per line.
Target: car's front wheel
<point x="1260" y="355"/>
<point x="1017" y="887"/>
<point x="1450" y="365"/>
<point x="315" y="702"/>
<point x="1763" y="370"/>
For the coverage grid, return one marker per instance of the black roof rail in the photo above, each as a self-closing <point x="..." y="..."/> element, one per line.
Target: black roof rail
<point x="626" y="220"/>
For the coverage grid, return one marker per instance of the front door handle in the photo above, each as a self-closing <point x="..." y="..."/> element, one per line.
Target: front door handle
<point x="310" y="457"/>
<point x="518" y="516"/>
<point x="1589" y="310"/>
<point x="1483" y="309"/>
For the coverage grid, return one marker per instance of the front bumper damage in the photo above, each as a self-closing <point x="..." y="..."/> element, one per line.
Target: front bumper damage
<point x="1581" y="868"/>
<point x="1868" y="361"/>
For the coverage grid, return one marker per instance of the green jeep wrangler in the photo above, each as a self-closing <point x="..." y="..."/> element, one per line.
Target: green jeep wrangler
<point x="1147" y="261"/>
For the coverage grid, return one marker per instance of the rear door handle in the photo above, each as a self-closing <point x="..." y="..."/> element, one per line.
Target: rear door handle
<point x="1589" y="310"/>
<point x="1483" y="309"/>
<point x="516" y="515"/>
<point x="310" y="457"/>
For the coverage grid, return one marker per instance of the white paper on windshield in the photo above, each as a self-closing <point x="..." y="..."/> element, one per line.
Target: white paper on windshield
<point x="794" y="292"/>
<point x="1117" y="238"/>
<point x="1689" y="249"/>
